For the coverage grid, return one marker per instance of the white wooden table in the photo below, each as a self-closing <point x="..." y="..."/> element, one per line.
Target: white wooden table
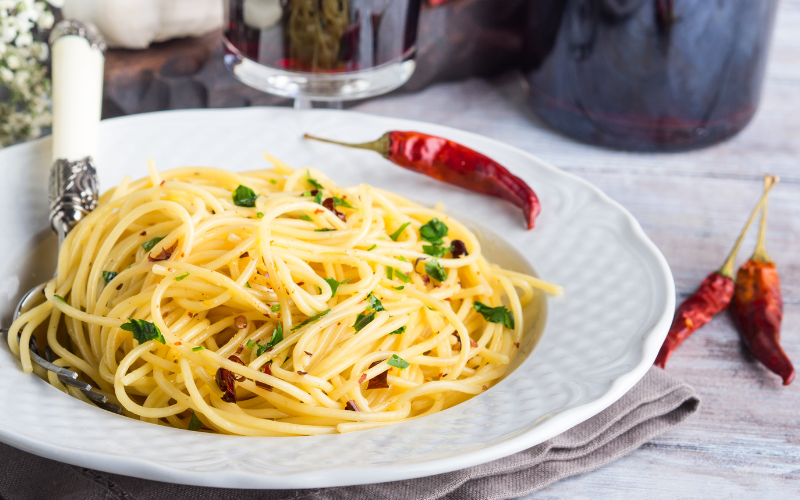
<point x="745" y="441"/>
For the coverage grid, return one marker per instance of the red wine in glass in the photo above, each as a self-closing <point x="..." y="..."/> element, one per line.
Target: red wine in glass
<point x="649" y="75"/>
<point x="321" y="50"/>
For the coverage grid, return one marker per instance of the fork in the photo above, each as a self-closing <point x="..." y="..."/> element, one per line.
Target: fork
<point x="73" y="182"/>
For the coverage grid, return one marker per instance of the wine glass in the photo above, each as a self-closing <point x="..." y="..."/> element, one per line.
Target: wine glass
<point x="324" y="51"/>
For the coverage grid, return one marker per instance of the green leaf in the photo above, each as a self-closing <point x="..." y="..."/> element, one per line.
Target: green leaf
<point x="198" y="348"/>
<point x="247" y="284"/>
<point x="375" y="303"/>
<point x="397" y="233"/>
<point x="363" y="320"/>
<point x="398" y="288"/>
<point x="148" y="245"/>
<point x="399" y="330"/>
<point x="497" y="314"/>
<point x="402" y="276"/>
<point x="398" y="362"/>
<point x="108" y="276"/>
<point x="390" y="272"/>
<point x="373" y="247"/>
<point x="244" y="197"/>
<point x="143" y="331"/>
<point x="324" y="230"/>
<point x="307" y="218"/>
<point x="339" y="202"/>
<point x="259" y="215"/>
<point x="335" y="285"/>
<point x="400" y="257"/>
<point x="436" y="250"/>
<point x="312" y="318"/>
<point x="318" y="197"/>
<point x="182" y="277"/>
<point x="277" y="336"/>
<point x="194" y="423"/>
<point x="59" y="297"/>
<point x="250" y="344"/>
<point x="433" y="231"/>
<point x="275" y="308"/>
<point x="313" y="182"/>
<point x="435" y="270"/>
<point x="273" y="181"/>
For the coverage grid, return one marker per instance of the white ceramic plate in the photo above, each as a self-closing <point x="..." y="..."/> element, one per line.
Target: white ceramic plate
<point x="599" y="339"/>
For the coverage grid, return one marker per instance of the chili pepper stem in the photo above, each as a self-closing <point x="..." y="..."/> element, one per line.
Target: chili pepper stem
<point x="381" y="146"/>
<point x="727" y="268"/>
<point x="760" y="253"/>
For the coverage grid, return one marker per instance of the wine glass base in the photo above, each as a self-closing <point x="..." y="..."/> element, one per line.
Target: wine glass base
<point x="343" y="86"/>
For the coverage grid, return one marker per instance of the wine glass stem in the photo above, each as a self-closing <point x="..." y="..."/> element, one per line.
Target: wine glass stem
<point x="302" y="103"/>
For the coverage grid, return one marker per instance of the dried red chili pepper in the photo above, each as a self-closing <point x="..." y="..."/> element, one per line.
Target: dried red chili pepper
<point x="758" y="306"/>
<point x="381" y="380"/>
<point x="165" y="254"/>
<point x="712" y="297"/>
<point x="235" y="375"/>
<point x="453" y="163"/>
<point x="226" y="385"/>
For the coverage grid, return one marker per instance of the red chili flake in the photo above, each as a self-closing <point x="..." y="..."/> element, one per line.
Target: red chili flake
<point x="459" y="249"/>
<point x="352" y="406"/>
<point x="457" y="346"/>
<point x="301" y="283"/>
<point x="313" y="192"/>
<point x="484" y="387"/>
<point x="119" y="287"/>
<point x="301" y="373"/>
<point x="240" y="322"/>
<point x="426" y="279"/>
<point x="378" y="381"/>
<point x="165" y="254"/>
<point x="330" y="204"/>
<point x="472" y="343"/>
<point x="246" y="254"/>
<point x="362" y="378"/>
<point x="213" y="212"/>
<point x="226" y="384"/>
<point x="179" y="343"/>
<point x="240" y="349"/>
<point x="162" y="183"/>
<point x="442" y="375"/>
<point x="191" y="315"/>
<point x="308" y="353"/>
<point x="143" y="233"/>
<point x="236" y="359"/>
<point x="516" y="344"/>
<point x="268" y="370"/>
<point x="318" y="211"/>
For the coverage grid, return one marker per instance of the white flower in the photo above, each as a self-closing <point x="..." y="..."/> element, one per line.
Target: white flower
<point x="12" y="62"/>
<point x="56" y="3"/>
<point x="46" y="20"/>
<point x="8" y="33"/>
<point x="40" y="51"/>
<point x="6" y="75"/>
<point x="3" y="48"/>
<point x="24" y="39"/>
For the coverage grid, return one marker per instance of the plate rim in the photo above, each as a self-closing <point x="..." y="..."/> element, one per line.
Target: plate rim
<point x="347" y="476"/>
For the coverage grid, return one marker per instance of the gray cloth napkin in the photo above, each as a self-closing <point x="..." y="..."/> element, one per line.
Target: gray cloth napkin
<point x="655" y="405"/>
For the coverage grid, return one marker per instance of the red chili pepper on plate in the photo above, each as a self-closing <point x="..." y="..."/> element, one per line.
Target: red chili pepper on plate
<point x="758" y="306"/>
<point x="450" y="162"/>
<point x="712" y="297"/>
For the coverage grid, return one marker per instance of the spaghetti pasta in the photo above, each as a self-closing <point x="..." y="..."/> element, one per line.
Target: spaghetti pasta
<point x="273" y="303"/>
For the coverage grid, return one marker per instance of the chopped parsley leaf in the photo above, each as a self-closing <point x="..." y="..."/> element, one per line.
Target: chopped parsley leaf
<point x="244" y="197"/>
<point x="375" y="303"/>
<point x="143" y="331"/>
<point x="400" y="257"/>
<point x="198" y="348"/>
<point x="398" y="362"/>
<point x="194" y="423"/>
<point x="397" y="233"/>
<point x="340" y="202"/>
<point x="402" y="276"/>
<point x="335" y="285"/>
<point x="312" y="318"/>
<point x="259" y="215"/>
<point x="436" y="250"/>
<point x="435" y="270"/>
<point x="433" y="231"/>
<point x="307" y="218"/>
<point x="250" y="344"/>
<point x="324" y="230"/>
<point x="182" y="277"/>
<point x="108" y="276"/>
<point x="247" y="284"/>
<point x="148" y="245"/>
<point x="273" y="181"/>
<point x="277" y="336"/>
<point x="373" y="247"/>
<point x="399" y="330"/>
<point x="363" y="320"/>
<point x="398" y="288"/>
<point x="275" y="308"/>
<point x="313" y="182"/>
<point x="497" y="314"/>
<point x="59" y="297"/>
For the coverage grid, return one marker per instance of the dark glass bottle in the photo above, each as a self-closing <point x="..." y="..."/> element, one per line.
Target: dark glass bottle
<point x="651" y="75"/>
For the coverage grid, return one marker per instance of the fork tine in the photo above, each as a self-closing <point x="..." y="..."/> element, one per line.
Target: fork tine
<point x="46" y="364"/>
